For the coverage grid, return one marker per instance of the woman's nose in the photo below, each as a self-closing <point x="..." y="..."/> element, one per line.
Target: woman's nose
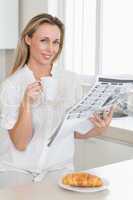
<point x="50" y="47"/>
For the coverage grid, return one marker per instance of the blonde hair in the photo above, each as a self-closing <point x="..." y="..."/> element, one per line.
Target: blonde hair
<point x="22" y="50"/>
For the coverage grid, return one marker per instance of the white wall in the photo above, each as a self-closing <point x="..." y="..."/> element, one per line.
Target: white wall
<point x="29" y="8"/>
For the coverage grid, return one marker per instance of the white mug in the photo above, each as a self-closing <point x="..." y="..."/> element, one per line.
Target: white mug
<point x="50" y="88"/>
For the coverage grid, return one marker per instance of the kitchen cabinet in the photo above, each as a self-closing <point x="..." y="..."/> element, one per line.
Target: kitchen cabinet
<point x="115" y="146"/>
<point x="99" y="152"/>
<point x="8" y="24"/>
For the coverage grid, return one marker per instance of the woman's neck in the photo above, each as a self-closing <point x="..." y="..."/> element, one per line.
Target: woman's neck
<point x="40" y="71"/>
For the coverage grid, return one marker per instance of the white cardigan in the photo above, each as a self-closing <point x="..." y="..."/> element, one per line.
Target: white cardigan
<point x="45" y="116"/>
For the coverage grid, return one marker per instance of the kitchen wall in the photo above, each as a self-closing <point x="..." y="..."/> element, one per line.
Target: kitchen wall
<point x="29" y="8"/>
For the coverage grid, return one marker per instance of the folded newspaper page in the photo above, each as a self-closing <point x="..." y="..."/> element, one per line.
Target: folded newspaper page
<point x="105" y="93"/>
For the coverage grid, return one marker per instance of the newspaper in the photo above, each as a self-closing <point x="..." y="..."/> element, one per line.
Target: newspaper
<point x="104" y="94"/>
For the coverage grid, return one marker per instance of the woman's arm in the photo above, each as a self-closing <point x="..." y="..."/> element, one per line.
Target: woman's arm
<point x="100" y="125"/>
<point x="21" y="133"/>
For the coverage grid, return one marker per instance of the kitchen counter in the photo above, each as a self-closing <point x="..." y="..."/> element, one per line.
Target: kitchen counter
<point x="120" y="129"/>
<point x="119" y="175"/>
<point x="123" y="123"/>
<point x="114" y="146"/>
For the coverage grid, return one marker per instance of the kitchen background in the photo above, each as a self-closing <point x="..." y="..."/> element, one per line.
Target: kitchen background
<point x="99" y="41"/>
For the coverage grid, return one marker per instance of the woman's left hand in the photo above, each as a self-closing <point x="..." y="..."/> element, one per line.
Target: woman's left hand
<point x="101" y="123"/>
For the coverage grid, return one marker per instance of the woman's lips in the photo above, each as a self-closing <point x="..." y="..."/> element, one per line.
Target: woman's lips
<point x="46" y="56"/>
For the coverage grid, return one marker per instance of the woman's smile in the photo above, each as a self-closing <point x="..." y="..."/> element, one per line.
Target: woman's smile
<point x="46" y="56"/>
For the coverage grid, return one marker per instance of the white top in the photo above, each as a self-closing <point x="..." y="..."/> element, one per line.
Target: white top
<point x="45" y="117"/>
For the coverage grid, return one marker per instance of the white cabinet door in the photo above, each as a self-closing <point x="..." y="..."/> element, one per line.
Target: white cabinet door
<point x="98" y="152"/>
<point x="8" y="24"/>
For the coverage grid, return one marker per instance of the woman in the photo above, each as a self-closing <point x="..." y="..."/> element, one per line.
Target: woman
<point x="28" y="116"/>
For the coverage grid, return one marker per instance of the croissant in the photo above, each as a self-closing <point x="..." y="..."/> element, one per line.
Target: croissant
<point x="82" y="179"/>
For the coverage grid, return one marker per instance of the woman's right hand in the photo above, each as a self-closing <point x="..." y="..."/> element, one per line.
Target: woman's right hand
<point x="32" y="92"/>
<point x="23" y="124"/>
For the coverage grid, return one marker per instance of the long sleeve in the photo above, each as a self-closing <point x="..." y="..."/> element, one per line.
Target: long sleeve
<point x="9" y="105"/>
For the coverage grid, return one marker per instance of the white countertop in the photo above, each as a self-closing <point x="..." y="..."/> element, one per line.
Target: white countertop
<point x="119" y="175"/>
<point x="121" y="129"/>
<point x="123" y="123"/>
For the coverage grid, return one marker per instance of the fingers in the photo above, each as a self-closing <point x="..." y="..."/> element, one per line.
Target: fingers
<point x="102" y="119"/>
<point x="111" y="111"/>
<point x="35" y="86"/>
<point x="98" y="124"/>
<point x="97" y="121"/>
<point x="108" y="115"/>
<point x="33" y="91"/>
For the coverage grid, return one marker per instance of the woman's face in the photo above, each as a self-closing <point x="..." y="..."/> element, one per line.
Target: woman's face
<point x="44" y="44"/>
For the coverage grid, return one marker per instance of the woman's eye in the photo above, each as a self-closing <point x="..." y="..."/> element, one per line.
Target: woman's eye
<point x="44" y="40"/>
<point x="57" y="42"/>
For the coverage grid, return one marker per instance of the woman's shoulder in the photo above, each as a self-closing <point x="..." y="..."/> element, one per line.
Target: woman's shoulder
<point x="18" y="75"/>
<point x="14" y="80"/>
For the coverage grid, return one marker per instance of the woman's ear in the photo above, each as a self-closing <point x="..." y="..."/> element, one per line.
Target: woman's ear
<point x="28" y="40"/>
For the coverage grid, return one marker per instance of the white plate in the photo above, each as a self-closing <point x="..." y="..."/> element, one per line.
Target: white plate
<point x="84" y="189"/>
